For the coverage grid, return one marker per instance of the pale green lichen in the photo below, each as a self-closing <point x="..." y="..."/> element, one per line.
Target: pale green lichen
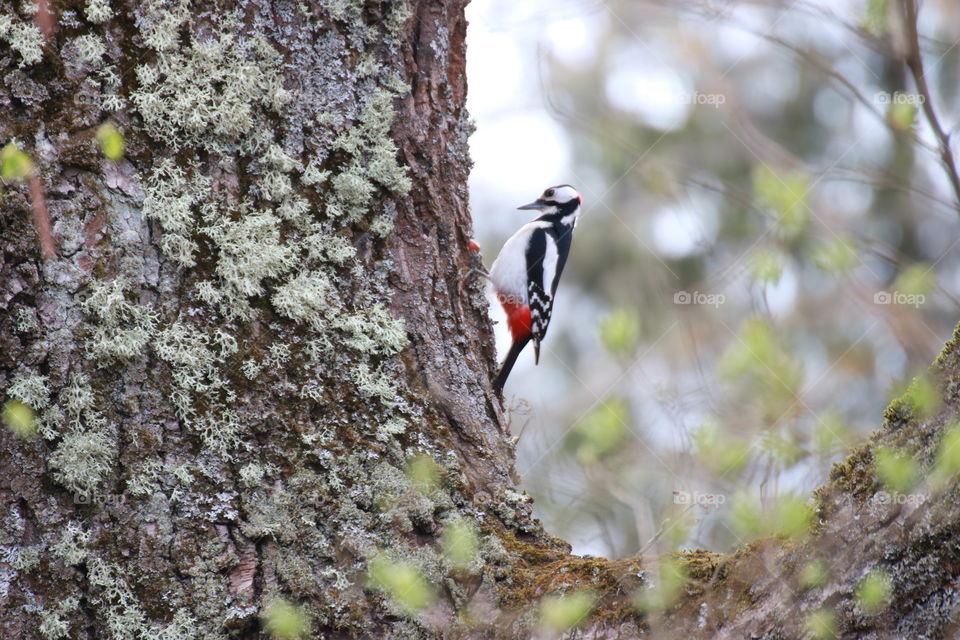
<point x="53" y="623"/>
<point x="115" y="603"/>
<point x="278" y="354"/>
<point x="73" y="406"/>
<point x="373" y="331"/>
<point x="250" y="251"/>
<point x="72" y="546"/>
<point x="123" y="329"/>
<point x="252" y="474"/>
<point x="90" y="49"/>
<point x="24" y="38"/>
<point x="147" y="478"/>
<point x="346" y="10"/>
<point x="30" y="389"/>
<point x="293" y="208"/>
<point x="26" y="558"/>
<point x="98" y="11"/>
<point x="375" y="383"/>
<point x="195" y="360"/>
<point x="205" y="95"/>
<point x="25" y="321"/>
<point x="268" y="239"/>
<point x="82" y="460"/>
<point x="251" y="368"/>
<point x="391" y="428"/>
<point x="305" y="298"/>
<point x="219" y="428"/>
<point x="313" y="176"/>
<point x="161" y="22"/>
<point x="78" y="401"/>
<point x="369" y="143"/>
<point x="170" y="195"/>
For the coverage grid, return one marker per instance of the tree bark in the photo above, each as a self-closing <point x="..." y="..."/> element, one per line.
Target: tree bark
<point x="258" y="369"/>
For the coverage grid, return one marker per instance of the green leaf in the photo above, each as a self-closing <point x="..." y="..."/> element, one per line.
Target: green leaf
<point x="766" y="266"/>
<point x="600" y="432"/>
<point x="620" y="331"/>
<point x="876" y="20"/>
<point x="404" y="584"/>
<point x="814" y="574"/>
<point x="111" y="141"/>
<point x="916" y="280"/>
<point x="662" y="590"/>
<point x="285" y="621"/>
<point x="424" y="473"/>
<point x="785" y="193"/>
<point x="821" y="624"/>
<point x="15" y="165"/>
<point x="902" y="115"/>
<point x="559" y="613"/>
<point x="836" y="255"/>
<point x="948" y="454"/>
<point x="921" y="397"/>
<point x="830" y="434"/>
<point x="746" y="516"/>
<point x="460" y="543"/>
<point x="896" y="469"/>
<point x="722" y="453"/>
<point x="781" y="445"/>
<point x="792" y="516"/>
<point x="873" y="592"/>
<point x="20" y="419"/>
<point x="760" y="361"/>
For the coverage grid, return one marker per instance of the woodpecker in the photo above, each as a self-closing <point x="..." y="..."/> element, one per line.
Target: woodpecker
<point x="527" y="270"/>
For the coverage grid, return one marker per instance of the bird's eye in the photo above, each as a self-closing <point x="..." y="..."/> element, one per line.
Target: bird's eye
<point x="548" y="193"/>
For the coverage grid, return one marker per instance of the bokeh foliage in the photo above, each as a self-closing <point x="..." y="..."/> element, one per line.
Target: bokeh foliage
<point x="766" y="258"/>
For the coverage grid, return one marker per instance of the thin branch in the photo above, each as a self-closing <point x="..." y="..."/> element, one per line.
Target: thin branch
<point x="41" y="218"/>
<point x="44" y="18"/>
<point x="914" y="60"/>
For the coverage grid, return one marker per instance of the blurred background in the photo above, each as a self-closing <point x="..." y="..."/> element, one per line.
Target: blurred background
<point x="765" y="257"/>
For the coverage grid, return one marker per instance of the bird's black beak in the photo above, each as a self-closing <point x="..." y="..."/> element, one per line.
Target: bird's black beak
<point x="536" y="204"/>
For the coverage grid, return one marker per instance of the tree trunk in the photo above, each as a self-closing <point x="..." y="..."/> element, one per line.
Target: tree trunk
<point x="260" y="378"/>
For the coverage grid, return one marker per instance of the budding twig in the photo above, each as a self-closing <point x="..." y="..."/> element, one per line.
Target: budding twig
<point x="914" y="61"/>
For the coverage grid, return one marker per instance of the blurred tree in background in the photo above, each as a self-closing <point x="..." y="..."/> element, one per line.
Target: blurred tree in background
<point x="767" y="252"/>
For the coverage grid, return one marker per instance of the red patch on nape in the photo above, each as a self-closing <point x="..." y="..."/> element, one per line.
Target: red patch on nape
<point x="518" y="319"/>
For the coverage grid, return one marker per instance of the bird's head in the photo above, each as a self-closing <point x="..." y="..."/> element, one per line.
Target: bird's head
<point x="561" y="198"/>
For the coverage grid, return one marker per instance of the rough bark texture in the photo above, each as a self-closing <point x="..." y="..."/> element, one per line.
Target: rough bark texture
<point x="257" y="371"/>
<point x="253" y="323"/>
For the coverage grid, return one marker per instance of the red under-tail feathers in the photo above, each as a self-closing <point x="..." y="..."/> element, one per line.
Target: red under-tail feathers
<point x="518" y="319"/>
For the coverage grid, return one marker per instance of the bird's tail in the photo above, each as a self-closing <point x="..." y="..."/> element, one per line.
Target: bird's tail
<point x="508" y="363"/>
